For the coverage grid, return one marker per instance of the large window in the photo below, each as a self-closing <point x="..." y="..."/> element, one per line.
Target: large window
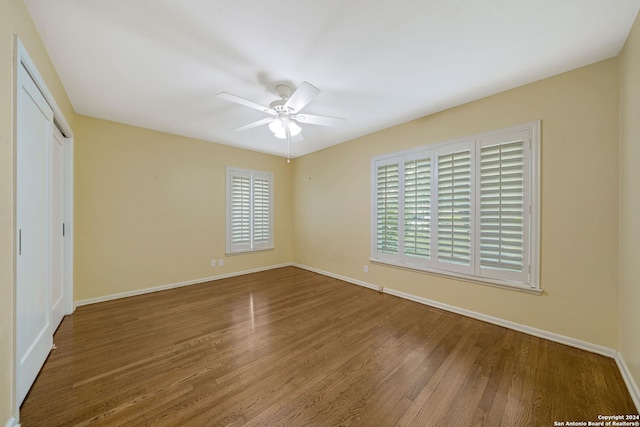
<point x="466" y="208"/>
<point x="249" y="210"/>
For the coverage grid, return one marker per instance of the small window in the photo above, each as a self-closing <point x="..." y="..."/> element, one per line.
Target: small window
<point x="249" y="210"/>
<point x="466" y="208"/>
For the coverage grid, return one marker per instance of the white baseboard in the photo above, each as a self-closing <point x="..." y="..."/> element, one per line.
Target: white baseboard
<point x="634" y="391"/>
<point x="337" y="276"/>
<point x="541" y="333"/>
<point x="173" y="285"/>
<point x="12" y="423"/>
<point x="551" y="336"/>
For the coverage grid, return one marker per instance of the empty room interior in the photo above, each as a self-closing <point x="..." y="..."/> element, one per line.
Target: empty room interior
<point x="319" y="213"/>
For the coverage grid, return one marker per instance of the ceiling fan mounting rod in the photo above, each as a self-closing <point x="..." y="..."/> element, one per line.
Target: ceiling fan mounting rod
<point x="283" y="91"/>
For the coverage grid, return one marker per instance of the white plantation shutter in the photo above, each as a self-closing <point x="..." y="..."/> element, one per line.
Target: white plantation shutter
<point x="504" y="211"/>
<point x="249" y="210"/>
<point x="261" y="212"/>
<point x="454" y="209"/>
<point x="387" y="194"/>
<point x="417" y="208"/>
<point x="466" y="208"/>
<point x="241" y="211"/>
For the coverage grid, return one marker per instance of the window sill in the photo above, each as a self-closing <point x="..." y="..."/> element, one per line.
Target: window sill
<point x="462" y="277"/>
<point x="249" y="251"/>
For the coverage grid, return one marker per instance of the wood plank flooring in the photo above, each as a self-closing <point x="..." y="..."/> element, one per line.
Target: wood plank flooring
<point x="293" y="348"/>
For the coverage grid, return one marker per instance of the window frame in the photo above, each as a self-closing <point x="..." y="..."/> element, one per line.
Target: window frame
<point x="473" y="272"/>
<point x="252" y="245"/>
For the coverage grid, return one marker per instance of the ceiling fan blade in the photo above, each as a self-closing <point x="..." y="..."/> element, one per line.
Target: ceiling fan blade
<point x="305" y="93"/>
<point x="312" y="119"/>
<point x="245" y="102"/>
<point x="254" y="124"/>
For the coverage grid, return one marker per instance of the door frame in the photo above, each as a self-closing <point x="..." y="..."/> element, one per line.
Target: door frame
<point x="22" y="58"/>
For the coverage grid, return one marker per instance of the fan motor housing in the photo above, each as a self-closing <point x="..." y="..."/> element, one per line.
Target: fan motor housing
<point x="278" y="105"/>
<point x="283" y="91"/>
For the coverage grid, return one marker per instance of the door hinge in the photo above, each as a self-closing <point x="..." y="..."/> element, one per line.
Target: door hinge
<point x="63" y="229"/>
<point x="19" y="242"/>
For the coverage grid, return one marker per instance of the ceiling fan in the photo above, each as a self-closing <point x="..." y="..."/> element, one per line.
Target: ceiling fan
<point x="285" y="112"/>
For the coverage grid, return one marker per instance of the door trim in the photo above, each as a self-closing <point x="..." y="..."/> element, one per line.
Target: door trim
<point x="22" y="58"/>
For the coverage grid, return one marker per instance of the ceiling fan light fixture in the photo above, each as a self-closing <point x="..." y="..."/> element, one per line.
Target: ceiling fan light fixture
<point x="294" y="128"/>
<point x="278" y="128"/>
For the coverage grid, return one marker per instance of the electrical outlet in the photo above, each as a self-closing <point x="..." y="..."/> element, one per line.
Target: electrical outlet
<point x="221" y="262"/>
<point x="213" y="263"/>
<point x="366" y="268"/>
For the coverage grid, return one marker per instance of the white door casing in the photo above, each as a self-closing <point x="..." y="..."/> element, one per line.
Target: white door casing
<point x="56" y="228"/>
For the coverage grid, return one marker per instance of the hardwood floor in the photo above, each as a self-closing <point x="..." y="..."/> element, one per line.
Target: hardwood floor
<point x="291" y="347"/>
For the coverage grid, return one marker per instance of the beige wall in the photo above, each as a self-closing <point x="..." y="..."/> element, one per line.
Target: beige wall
<point x="579" y="273"/>
<point x="630" y="202"/>
<point x="15" y="20"/>
<point x="150" y="209"/>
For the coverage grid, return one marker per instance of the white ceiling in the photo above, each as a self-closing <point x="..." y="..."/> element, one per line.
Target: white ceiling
<point x="158" y="64"/>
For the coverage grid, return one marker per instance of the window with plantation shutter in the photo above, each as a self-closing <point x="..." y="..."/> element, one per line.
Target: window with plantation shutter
<point x="249" y="210"/>
<point x="402" y="222"/>
<point x="467" y="208"/>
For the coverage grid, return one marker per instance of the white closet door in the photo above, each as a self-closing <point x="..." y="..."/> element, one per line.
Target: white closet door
<point x="56" y="156"/>
<point x="34" y="336"/>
